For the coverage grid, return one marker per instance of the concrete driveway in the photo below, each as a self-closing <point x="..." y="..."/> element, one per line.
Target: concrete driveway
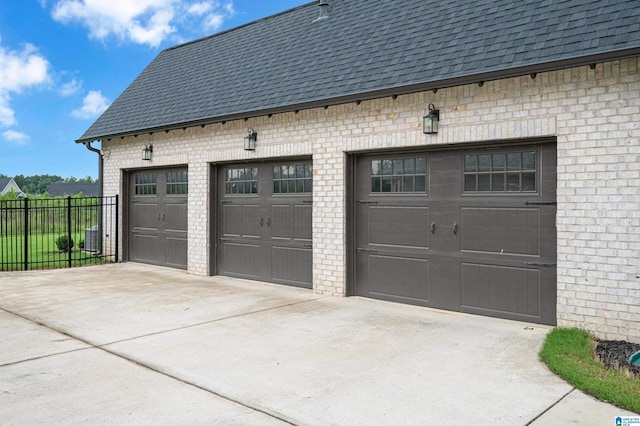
<point x="137" y="344"/>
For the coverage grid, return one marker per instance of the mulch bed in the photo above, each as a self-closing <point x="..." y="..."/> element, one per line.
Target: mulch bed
<point x="615" y="354"/>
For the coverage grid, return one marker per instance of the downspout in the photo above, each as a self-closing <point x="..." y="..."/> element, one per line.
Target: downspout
<point x="100" y="180"/>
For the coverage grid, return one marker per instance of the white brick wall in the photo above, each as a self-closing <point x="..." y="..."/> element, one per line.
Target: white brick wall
<point x="594" y="114"/>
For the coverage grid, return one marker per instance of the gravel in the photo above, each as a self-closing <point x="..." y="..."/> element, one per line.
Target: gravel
<point x="615" y="354"/>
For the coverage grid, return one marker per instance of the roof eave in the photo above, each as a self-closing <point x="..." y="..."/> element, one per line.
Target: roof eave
<point x="498" y="74"/>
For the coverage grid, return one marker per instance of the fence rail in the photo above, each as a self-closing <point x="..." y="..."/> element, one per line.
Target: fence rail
<point x="58" y="232"/>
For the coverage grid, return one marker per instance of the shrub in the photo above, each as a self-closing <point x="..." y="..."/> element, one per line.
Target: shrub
<point x="64" y="243"/>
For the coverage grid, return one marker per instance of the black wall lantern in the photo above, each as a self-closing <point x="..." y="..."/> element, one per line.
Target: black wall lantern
<point x="250" y="140"/>
<point x="146" y="152"/>
<point x="430" y="121"/>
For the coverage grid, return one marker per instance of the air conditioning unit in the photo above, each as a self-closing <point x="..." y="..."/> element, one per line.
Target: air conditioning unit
<point x="91" y="239"/>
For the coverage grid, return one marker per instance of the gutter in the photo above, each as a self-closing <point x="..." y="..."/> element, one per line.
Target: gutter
<point x="100" y="193"/>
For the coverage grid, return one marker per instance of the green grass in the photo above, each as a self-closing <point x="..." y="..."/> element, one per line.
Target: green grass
<point x="43" y="252"/>
<point x="568" y="353"/>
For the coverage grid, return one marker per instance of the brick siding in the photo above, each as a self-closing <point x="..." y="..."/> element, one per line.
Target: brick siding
<point x="593" y="113"/>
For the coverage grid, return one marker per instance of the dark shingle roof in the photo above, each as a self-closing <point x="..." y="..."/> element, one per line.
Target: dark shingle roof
<point x="365" y="49"/>
<point x="4" y="182"/>
<point x="69" y="189"/>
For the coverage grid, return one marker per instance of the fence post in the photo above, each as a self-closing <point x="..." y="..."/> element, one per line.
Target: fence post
<point x="117" y="230"/>
<point x="69" y="228"/>
<point x="26" y="234"/>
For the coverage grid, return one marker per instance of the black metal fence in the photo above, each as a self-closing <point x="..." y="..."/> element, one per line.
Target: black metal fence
<point x="58" y="232"/>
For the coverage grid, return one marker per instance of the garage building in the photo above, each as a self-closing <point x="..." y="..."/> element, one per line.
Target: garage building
<point x="480" y="157"/>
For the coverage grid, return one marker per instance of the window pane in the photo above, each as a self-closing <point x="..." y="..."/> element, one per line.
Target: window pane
<point x="375" y="184"/>
<point x="276" y="172"/>
<point x="408" y="184"/>
<point x="299" y="186"/>
<point x="300" y="170"/>
<point x="276" y="186"/>
<point x="470" y="163"/>
<point x="308" y="170"/>
<point x="470" y="183"/>
<point x="498" y="162"/>
<point x="386" y="184"/>
<point x="497" y="182"/>
<point x="421" y="165"/>
<point x="397" y="184"/>
<point x="513" y="182"/>
<point x="513" y="161"/>
<point x="528" y="181"/>
<point x="308" y="185"/>
<point x="484" y="163"/>
<point x="397" y="167"/>
<point x="528" y="160"/>
<point x="409" y="166"/>
<point x="292" y="186"/>
<point x="420" y="184"/>
<point x="386" y="167"/>
<point x="484" y="182"/>
<point x="376" y="167"/>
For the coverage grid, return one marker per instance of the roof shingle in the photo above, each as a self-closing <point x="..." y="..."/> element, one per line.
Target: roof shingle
<point x="365" y="49"/>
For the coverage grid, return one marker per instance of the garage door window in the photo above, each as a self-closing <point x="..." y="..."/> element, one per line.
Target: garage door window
<point x="243" y="181"/>
<point x="293" y="179"/>
<point x="177" y="183"/>
<point x="500" y="172"/>
<point x="145" y="184"/>
<point x="399" y="175"/>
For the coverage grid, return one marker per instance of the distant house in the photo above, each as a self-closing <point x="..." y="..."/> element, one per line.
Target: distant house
<point x="7" y="185"/>
<point x="480" y="157"/>
<point x="70" y="189"/>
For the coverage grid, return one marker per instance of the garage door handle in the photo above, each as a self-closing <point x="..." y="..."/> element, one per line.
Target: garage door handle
<point x="308" y="245"/>
<point x="366" y="202"/>
<point x="432" y="227"/>
<point x="268" y="221"/>
<point x="455" y="228"/>
<point x="541" y="203"/>
<point x="261" y="221"/>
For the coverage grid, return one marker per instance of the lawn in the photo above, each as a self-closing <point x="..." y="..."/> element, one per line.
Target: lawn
<point x="42" y="252"/>
<point x="569" y="353"/>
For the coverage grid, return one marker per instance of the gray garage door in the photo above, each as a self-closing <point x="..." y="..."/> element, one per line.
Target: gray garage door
<point x="466" y="230"/>
<point x="264" y="222"/>
<point x="158" y="217"/>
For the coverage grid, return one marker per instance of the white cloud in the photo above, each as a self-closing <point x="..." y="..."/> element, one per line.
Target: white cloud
<point x="70" y="88"/>
<point x="200" y="8"/>
<point x="16" y="138"/>
<point x="93" y="105"/>
<point x="147" y="22"/>
<point x="19" y="70"/>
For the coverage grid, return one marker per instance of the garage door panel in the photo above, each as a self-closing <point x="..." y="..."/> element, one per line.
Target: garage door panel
<point x="240" y="260"/>
<point x="302" y="225"/>
<point x="175" y="217"/>
<point x="145" y="248"/>
<point x="407" y="278"/>
<point x="501" y="230"/>
<point x="144" y="215"/>
<point x="282" y="223"/>
<point x="398" y="226"/>
<point x="502" y="289"/>
<point x="252" y="220"/>
<point x="292" y="265"/>
<point x="176" y="252"/>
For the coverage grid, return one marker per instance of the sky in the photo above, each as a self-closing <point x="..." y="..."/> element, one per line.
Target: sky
<point x="62" y="63"/>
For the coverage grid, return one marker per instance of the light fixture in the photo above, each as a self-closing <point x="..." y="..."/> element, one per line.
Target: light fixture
<point x="250" y="140"/>
<point x="146" y="152"/>
<point x="430" y="121"/>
